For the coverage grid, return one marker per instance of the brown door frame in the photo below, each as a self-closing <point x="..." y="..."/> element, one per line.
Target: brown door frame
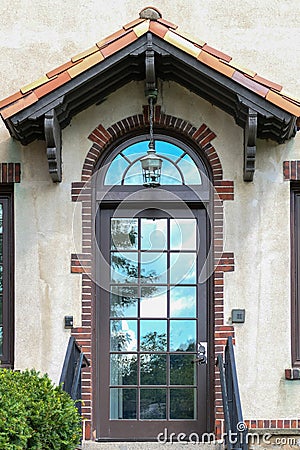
<point x="210" y="368"/>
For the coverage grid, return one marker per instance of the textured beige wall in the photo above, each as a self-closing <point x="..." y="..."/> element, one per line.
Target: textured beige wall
<point x="36" y="36"/>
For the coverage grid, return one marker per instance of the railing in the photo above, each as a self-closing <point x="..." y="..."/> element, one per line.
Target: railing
<point x="236" y="431"/>
<point x="70" y="377"/>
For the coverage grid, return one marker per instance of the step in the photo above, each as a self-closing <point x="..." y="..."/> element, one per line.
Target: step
<point x="89" y="445"/>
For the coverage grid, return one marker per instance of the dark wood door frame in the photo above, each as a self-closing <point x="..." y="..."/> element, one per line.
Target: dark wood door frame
<point x="209" y="406"/>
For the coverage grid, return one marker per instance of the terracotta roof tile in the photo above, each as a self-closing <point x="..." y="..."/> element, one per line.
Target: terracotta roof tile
<point x="55" y="83"/>
<point x="158" y="29"/>
<point x="141" y="28"/>
<point x="278" y="100"/>
<point x="112" y="38"/>
<point x="118" y="44"/>
<point x="216" y="64"/>
<point x="61" y="68"/>
<point x="167" y="24"/>
<point x="85" y="64"/>
<point x="11" y="99"/>
<point x="133" y="23"/>
<point x="183" y="44"/>
<point x="216" y="53"/>
<point x="29" y="87"/>
<point x="84" y="54"/>
<point x="242" y="69"/>
<point x="267" y="83"/>
<point x="19" y="105"/>
<point x="250" y="84"/>
<point x="153" y="22"/>
<point x="198" y="42"/>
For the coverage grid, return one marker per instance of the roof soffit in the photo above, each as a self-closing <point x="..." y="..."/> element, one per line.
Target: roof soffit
<point x="128" y="64"/>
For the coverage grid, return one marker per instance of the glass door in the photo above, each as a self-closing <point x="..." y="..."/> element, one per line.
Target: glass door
<point x="152" y="325"/>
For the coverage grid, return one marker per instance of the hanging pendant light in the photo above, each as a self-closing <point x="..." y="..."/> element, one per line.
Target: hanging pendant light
<point x="151" y="163"/>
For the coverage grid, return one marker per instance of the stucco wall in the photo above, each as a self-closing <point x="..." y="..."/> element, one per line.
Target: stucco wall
<point x="38" y="36"/>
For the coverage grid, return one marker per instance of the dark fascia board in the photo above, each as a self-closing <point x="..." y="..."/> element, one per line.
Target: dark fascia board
<point x="94" y="86"/>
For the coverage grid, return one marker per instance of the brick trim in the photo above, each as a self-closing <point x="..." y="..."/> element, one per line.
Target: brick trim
<point x="292" y="374"/>
<point x="273" y="423"/>
<point x="252" y="424"/>
<point x="81" y="263"/>
<point x="291" y="170"/>
<point x="10" y="172"/>
<point x="103" y="138"/>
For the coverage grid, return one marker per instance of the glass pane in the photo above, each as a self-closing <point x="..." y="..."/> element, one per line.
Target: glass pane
<point x="1" y="218"/>
<point x="182" y="369"/>
<point x="153" y="335"/>
<point x="190" y="171"/>
<point x="183" y="268"/>
<point x="153" y="301"/>
<point x="116" y="170"/>
<point x="154" y="268"/>
<point x="123" y="369"/>
<point x="1" y="310"/>
<point x="123" y="403"/>
<point x="134" y="175"/>
<point x="124" y="234"/>
<point x="153" y="369"/>
<point x="1" y="248"/>
<point x="183" y="301"/>
<point x="170" y="173"/>
<point x="153" y="403"/>
<point x="135" y="151"/>
<point x="170" y="150"/>
<point x="123" y="335"/>
<point x="124" y="267"/>
<point x="183" y="234"/>
<point x="123" y="301"/>
<point x="154" y="234"/>
<point x="183" y="403"/>
<point x="1" y="340"/>
<point x="182" y="335"/>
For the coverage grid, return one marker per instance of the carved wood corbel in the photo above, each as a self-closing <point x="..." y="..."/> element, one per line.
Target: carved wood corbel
<point x="54" y="145"/>
<point x="250" y="134"/>
<point x="150" y="87"/>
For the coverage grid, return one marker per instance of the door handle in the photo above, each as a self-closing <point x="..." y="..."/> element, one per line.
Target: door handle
<point x="201" y="354"/>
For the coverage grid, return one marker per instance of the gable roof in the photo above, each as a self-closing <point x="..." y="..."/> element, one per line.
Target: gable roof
<point x="92" y="75"/>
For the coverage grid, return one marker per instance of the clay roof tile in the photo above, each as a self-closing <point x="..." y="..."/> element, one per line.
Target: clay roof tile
<point x="150" y="20"/>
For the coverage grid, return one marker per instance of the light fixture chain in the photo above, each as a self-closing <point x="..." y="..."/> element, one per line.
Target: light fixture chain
<point x="151" y="143"/>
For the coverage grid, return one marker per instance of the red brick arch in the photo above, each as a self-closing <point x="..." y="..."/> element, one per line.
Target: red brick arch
<point x="102" y="138"/>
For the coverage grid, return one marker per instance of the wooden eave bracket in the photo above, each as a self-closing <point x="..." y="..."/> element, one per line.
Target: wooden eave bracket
<point x="150" y="85"/>
<point x="53" y="137"/>
<point x="250" y="134"/>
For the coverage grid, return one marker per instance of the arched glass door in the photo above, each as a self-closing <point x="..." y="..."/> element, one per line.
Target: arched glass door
<point x="152" y="324"/>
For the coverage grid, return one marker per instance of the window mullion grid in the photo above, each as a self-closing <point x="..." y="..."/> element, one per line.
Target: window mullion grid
<point x="138" y="406"/>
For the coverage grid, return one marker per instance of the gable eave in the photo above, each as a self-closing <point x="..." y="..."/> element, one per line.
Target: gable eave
<point x="173" y="64"/>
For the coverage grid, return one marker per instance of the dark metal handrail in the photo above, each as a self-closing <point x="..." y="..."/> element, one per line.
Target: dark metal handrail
<point x="70" y="378"/>
<point x="236" y="436"/>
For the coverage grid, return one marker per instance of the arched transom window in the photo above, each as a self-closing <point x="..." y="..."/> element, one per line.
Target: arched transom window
<point x="179" y="165"/>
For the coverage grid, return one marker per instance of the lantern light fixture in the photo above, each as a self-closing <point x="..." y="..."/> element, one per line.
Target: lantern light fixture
<point x="151" y="163"/>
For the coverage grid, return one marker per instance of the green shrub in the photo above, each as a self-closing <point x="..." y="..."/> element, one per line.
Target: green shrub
<point x="35" y="414"/>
